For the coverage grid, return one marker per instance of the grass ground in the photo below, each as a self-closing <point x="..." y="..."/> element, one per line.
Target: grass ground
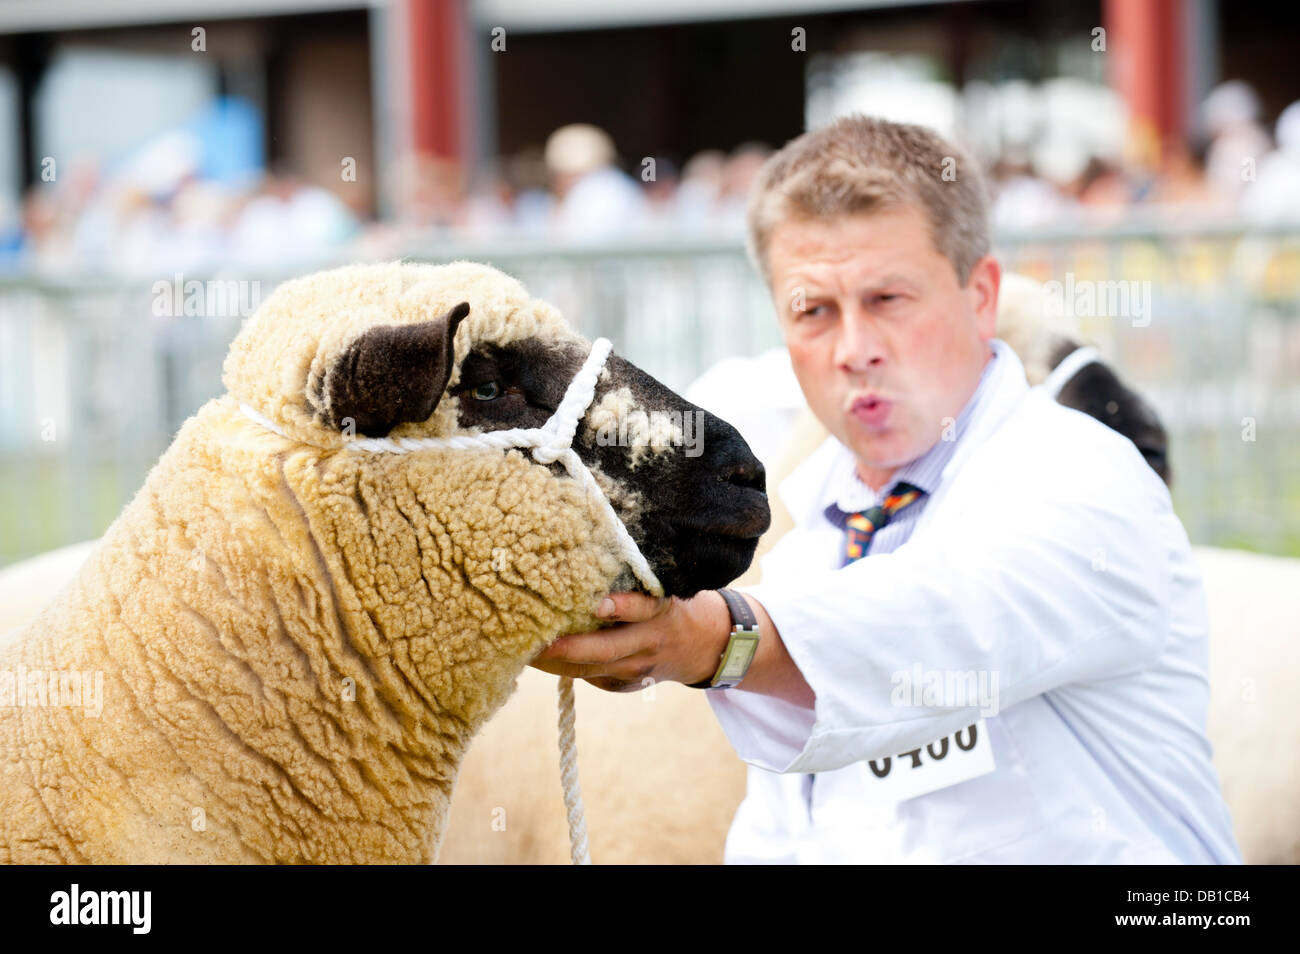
<point x="45" y="504"/>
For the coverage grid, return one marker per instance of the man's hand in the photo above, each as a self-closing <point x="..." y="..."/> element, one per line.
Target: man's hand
<point x="658" y="640"/>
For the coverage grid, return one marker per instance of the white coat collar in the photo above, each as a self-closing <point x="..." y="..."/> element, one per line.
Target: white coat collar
<point x="803" y="490"/>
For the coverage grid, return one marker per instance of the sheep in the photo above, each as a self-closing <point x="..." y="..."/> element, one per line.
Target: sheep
<point x="1253" y="724"/>
<point x="328" y="583"/>
<point x="1052" y="348"/>
<point x="1036" y="334"/>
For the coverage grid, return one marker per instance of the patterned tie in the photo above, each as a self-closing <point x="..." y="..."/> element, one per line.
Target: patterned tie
<point x="860" y="527"/>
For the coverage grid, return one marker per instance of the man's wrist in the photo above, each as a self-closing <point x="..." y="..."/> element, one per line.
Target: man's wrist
<point x="713" y="626"/>
<point x="735" y="655"/>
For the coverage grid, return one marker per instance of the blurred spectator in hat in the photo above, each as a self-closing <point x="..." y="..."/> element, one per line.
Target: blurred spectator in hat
<point x="1022" y="200"/>
<point x="1274" y="196"/>
<point x="1238" y="141"/>
<point x="595" y="200"/>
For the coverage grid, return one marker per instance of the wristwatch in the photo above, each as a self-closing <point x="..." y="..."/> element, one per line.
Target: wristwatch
<point x="740" y="647"/>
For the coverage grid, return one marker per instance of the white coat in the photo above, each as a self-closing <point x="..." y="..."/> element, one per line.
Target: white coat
<point x="1048" y="563"/>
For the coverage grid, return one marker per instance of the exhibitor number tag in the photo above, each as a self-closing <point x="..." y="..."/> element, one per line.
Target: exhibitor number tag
<point x="964" y="755"/>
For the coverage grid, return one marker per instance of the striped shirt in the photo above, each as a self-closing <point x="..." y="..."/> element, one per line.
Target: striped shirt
<point x="851" y="495"/>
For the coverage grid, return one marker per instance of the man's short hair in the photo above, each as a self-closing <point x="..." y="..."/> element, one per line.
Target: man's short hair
<point x="859" y="165"/>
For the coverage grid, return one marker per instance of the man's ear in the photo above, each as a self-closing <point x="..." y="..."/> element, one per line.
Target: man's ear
<point x="392" y="374"/>
<point x="982" y="285"/>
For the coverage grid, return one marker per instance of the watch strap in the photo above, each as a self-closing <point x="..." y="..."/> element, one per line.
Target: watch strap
<point x="741" y="614"/>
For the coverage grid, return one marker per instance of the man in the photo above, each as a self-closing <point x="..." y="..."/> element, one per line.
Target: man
<point x="984" y="640"/>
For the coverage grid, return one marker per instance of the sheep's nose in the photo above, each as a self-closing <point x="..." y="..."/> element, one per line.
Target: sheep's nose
<point x="735" y="463"/>
<point x="746" y="473"/>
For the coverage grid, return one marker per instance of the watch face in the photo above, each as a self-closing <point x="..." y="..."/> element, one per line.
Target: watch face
<point x="740" y="653"/>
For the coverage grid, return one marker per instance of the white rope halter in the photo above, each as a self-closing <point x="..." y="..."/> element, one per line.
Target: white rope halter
<point x="1070" y="365"/>
<point x="551" y="442"/>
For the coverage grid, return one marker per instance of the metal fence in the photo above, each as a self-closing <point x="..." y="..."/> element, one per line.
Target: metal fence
<point x="94" y="381"/>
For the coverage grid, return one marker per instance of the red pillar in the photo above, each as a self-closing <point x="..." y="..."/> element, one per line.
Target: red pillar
<point x="438" y="74"/>
<point x="1146" y="47"/>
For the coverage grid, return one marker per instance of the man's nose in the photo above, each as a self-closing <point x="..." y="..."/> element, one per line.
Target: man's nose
<point x="858" y="346"/>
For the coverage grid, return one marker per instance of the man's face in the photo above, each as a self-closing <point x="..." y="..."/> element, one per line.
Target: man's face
<point x="885" y="342"/>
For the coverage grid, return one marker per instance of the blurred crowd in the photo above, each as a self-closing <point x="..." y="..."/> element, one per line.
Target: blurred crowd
<point x="576" y="189"/>
<point x="1237" y="171"/>
<point x="158" y="212"/>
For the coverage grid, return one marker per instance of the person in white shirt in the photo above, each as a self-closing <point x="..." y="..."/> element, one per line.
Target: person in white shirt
<point x="595" y="201"/>
<point x="984" y="640"/>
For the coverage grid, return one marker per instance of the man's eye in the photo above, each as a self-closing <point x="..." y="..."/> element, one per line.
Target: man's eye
<point x="486" y="392"/>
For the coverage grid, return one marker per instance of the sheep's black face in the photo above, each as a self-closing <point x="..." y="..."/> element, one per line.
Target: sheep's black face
<point x="683" y="481"/>
<point x="1099" y="393"/>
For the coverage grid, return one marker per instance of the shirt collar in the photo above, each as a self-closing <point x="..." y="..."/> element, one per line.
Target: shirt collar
<point x="828" y="478"/>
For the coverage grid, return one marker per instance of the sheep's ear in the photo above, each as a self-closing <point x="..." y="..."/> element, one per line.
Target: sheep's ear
<point x="392" y="374"/>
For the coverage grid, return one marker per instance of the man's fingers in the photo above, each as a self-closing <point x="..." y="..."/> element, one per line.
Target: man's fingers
<point x="610" y="684"/>
<point x="592" y="649"/>
<point x="623" y="677"/>
<point x="566" y="669"/>
<point x="631" y="607"/>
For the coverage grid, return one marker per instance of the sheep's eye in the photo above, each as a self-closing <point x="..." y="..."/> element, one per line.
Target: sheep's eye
<point x="486" y="392"/>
